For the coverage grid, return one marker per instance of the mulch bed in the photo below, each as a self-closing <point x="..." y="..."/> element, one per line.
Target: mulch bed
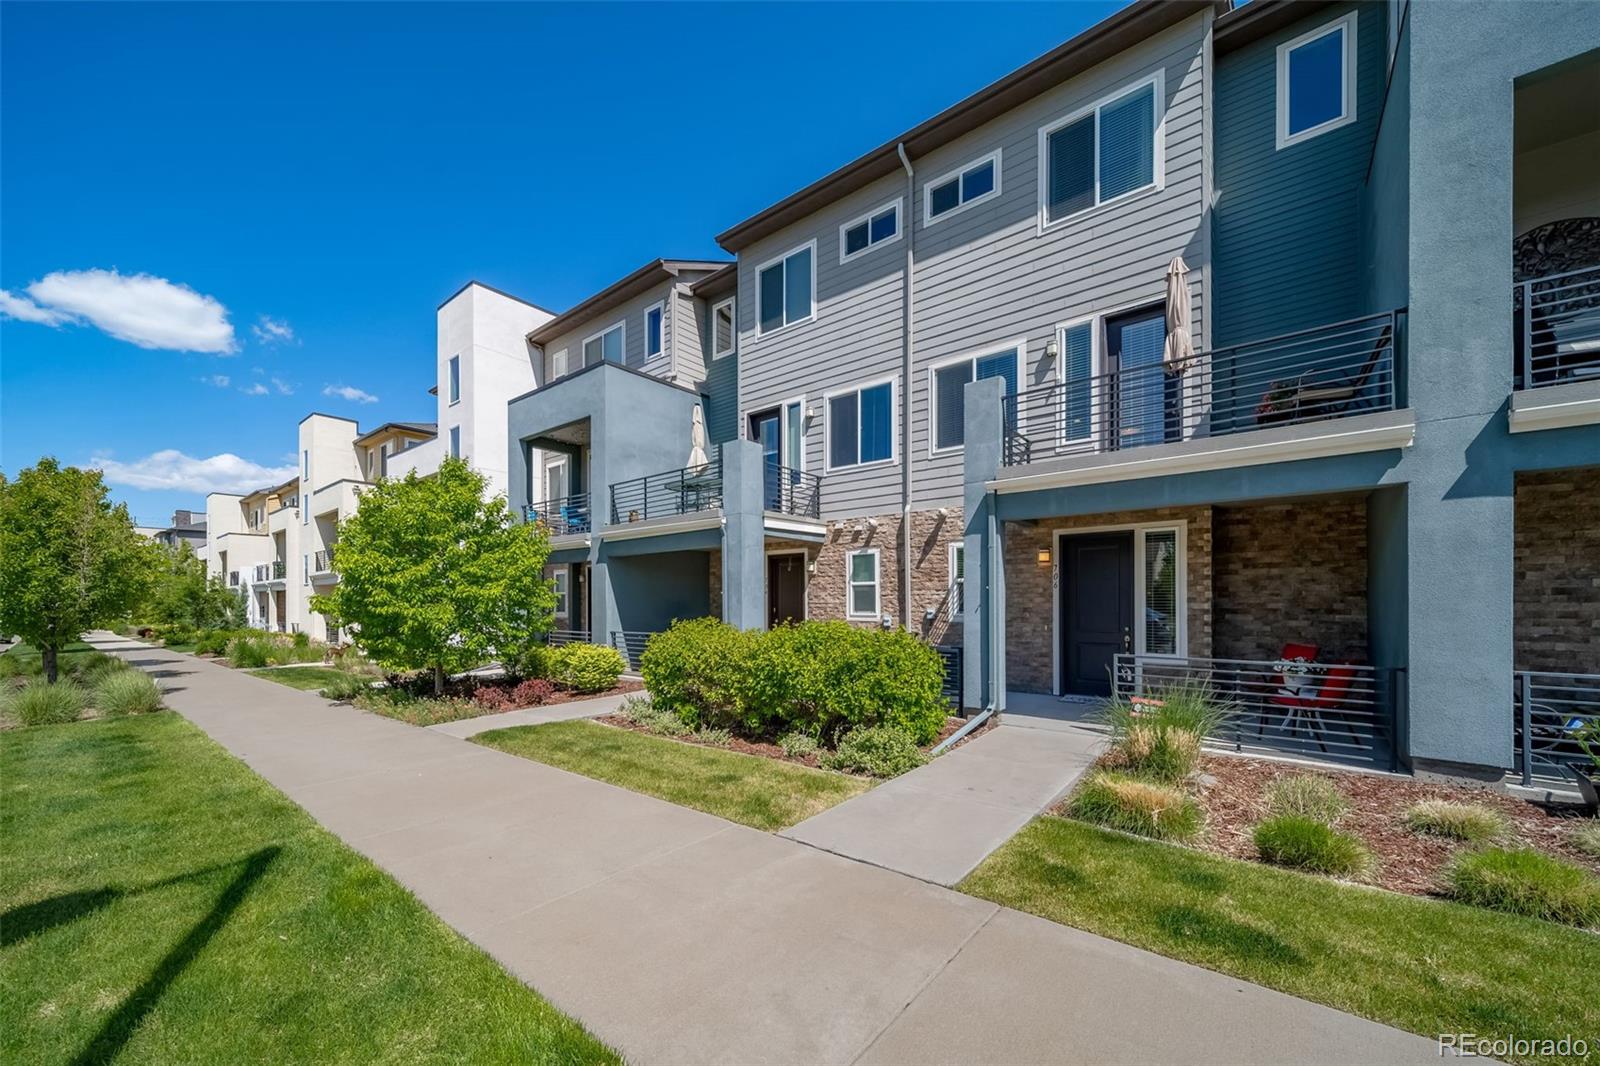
<point x="1234" y="788"/>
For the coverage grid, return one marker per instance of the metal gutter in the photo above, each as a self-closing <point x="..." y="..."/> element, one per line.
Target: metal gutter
<point x="908" y="293"/>
<point x="954" y="738"/>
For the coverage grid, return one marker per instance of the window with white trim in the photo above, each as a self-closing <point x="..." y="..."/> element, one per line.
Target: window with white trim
<point x="455" y="379"/>
<point x="861" y="573"/>
<point x="961" y="188"/>
<point x="1080" y="366"/>
<point x="1317" y="82"/>
<point x="559" y="583"/>
<point x="455" y="442"/>
<point x="786" y="289"/>
<point x="1161" y="593"/>
<point x="606" y="345"/>
<point x="860" y="426"/>
<point x="558" y="364"/>
<point x="652" y="330"/>
<point x="948" y="384"/>
<point x="1107" y="151"/>
<point x="870" y="230"/>
<point x="958" y="578"/>
<point x="723" y="336"/>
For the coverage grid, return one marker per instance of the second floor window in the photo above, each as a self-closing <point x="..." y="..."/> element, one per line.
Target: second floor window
<point x="860" y="426"/>
<point x="869" y="231"/>
<point x="722" y="335"/>
<point x="652" y="330"/>
<point x="1316" y="82"/>
<point x="455" y="442"/>
<point x="455" y="379"/>
<point x="558" y="365"/>
<point x="1108" y="151"/>
<point x="605" y="346"/>
<point x="785" y="289"/>
<point x="971" y="184"/>
<point x="949" y="390"/>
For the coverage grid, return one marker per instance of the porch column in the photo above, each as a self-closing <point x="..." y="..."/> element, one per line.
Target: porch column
<point x="984" y="602"/>
<point x="603" y="616"/>
<point x="744" y="594"/>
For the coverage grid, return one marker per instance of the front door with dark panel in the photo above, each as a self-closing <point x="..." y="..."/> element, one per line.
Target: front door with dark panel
<point x="1096" y="609"/>
<point x="786" y="589"/>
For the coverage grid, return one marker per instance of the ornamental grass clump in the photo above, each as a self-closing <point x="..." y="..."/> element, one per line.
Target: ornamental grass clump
<point x="1305" y="843"/>
<point x="1306" y="796"/>
<point x="1159" y="736"/>
<point x="346" y="688"/>
<point x="40" y="703"/>
<point x="1133" y="805"/>
<point x="1469" y="822"/>
<point x="122" y="692"/>
<point x="1587" y="839"/>
<point x="1527" y="882"/>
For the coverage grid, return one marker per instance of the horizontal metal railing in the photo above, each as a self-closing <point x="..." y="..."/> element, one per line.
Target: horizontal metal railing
<point x="1555" y="713"/>
<point x="950" y="655"/>
<point x="792" y="492"/>
<point x="261" y="572"/>
<point x="1338" y="711"/>
<point x="1327" y="372"/>
<point x="562" y="517"/>
<point x="1558" y="328"/>
<point x="557" y="637"/>
<point x="669" y="493"/>
<point x="631" y="644"/>
<point x="322" y="561"/>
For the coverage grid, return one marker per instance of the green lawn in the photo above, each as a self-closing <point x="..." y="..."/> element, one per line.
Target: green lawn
<point x="755" y="791"/>
<point x="302" y="677"/>
<point x="1423" y="965"/>
<point x="162" y="903"/>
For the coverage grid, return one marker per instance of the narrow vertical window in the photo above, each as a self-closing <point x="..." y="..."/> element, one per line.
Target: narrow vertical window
<point x="455" y="442"/>
<point x="652" y="331"/>
<point x="722" y="334"/>
<point x="455" y="379"/>
<point x="1161" y="592"/>
<point x="862" y="571"/>
<point x="1077" y="381"/>
<point x="558" y="364"/>
<point x="958" y="578"/>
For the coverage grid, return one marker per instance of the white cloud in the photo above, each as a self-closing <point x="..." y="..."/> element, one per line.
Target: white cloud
<point x="283" y="387"/>
<point x="141" y="309"/>
<point x="171" y="469"/>
<point x="255" y="389"/>
<point x="221" y="381"/>
<point x="25" y="310"/>
<point x="349" y="392"/>
<point x="269" y="330"/>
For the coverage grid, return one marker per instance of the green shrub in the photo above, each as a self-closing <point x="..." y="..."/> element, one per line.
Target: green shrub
<point x="14" y="665"/>
<point x="797" y="745"/>
<point x="1471" y="822"/>
<point x="1159" y="736"/>
<point x="346" y="688"/>
<point x="650" y="716"/>
<point x="123" y="692"/>
<point x="1305" y="843"/>
<point x="301" y="640"/>
<point x="39" y="703"/>
<point x="586" y="667"/>
<point x="213" y="641"/>
<point x="716" y="738"/>
<point x="696" y="669"/>
<point x="1524" y="881"/>
<point x="1587" y="839"/>
<point x="1132" y="805"/>
<point x="91" y="669"/>
<point x="878" y="751"/>
<point x="1306" y="796"/>
<point x="249" y="651"/>
<point x="533" y="663"/>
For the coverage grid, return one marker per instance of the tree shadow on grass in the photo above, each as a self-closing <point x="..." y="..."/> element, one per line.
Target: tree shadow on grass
<point x="1191" y="925"/>
<point x="122" y="1024"/>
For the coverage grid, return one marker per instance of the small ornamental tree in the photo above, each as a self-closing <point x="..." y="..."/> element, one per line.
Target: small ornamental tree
<point x="432" y="576"/>
<point x="185" y="596"/>
<point x="69" y="560"/>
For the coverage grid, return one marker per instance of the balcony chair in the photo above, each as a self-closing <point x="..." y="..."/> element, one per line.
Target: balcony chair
<point x="1322" y="393"/>
<point x="1309" y="710"/>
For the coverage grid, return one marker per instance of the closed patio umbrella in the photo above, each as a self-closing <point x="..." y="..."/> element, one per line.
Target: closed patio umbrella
<point x="697" y="441"/>
<point x="1179" y="350"/>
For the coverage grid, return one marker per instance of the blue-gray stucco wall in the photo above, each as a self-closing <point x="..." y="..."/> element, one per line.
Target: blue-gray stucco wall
<point x="1286" y="230"/>
<point x="653" y="591"/>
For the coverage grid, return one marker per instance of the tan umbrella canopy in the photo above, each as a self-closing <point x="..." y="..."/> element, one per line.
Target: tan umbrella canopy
<point x="1179" y="351"/>
<point x="697" y="441"/>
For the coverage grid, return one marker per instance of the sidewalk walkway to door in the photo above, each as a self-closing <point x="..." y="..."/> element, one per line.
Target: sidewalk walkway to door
<point x="678" y="937"/>
<point x="939" y="821"/>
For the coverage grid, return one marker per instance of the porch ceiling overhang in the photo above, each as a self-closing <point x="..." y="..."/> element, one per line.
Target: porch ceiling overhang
<point x="1379" y="431"/>
<point x="660" y="527"/>
<point x="1576" y="403"/>
<point x="564" y="556"/>
<point x="788" y="527"/>
<point x="663" y="536"/>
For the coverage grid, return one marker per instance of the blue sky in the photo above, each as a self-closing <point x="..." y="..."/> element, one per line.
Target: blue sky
<point x="290" y="190"/>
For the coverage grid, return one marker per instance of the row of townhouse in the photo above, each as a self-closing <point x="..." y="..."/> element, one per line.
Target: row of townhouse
<point x="1258" y="344"/>
<point x="1255" y="344"/>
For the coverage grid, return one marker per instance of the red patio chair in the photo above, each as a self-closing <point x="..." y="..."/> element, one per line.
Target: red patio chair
<point x="1329" y="697"/>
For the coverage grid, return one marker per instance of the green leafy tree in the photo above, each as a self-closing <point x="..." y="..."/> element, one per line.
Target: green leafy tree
<point x="184" y="595"/>
<point x="434" y="577"/>
<point x="69" y="559"/>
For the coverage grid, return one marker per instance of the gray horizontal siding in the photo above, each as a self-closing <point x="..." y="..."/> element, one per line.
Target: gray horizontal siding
<point x="721" y="379"/>
<point x="985" y="276"/>
<point x="1288" y="226"/>
<point x="677" y="328"/>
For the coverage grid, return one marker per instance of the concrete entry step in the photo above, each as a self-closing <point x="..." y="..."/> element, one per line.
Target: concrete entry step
<point x="941" y="820"/>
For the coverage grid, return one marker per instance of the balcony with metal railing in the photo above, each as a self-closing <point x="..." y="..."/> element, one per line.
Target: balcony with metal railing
<point x="564" y="517"/>
<point x="1557" y="348"/>
<point x="1287" y="389"/>
<point x="669" y="494"/>
<point x="322" y="565"/>
<point x="1557" y="727"/>
<point x="788" y="491"/>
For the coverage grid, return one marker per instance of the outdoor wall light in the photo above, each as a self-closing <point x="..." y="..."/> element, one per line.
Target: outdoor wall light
<point x="1044" y="556"/>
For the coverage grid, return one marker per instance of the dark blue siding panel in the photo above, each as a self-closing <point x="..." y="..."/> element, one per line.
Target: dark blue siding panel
<point x="1287" y="230"/>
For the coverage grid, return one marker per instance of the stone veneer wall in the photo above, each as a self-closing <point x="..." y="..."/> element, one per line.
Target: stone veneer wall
<point x="1030" y="593"/>
<point x="1291" y="572"/>
<point x="1556" y="598"/>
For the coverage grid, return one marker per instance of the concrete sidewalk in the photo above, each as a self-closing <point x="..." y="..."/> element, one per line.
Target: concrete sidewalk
<point x="939" y="821"/>
<point x="678" y="937"/>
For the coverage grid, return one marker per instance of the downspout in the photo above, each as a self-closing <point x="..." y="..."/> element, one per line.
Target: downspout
<point x="908" y="292"/>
